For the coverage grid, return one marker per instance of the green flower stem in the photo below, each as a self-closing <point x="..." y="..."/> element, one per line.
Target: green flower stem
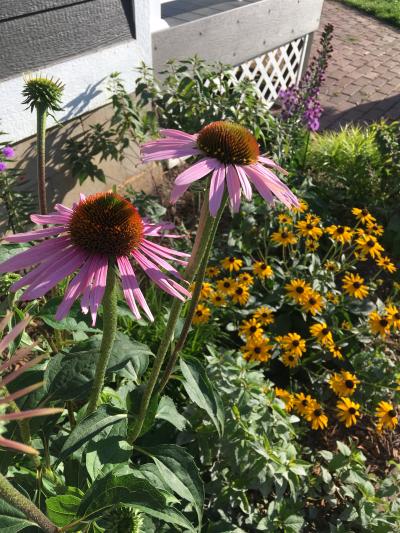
<point x="109" y="330"/>
<point x="41" y="158"/>
<point x="11" y="495"/>
<point x="199" y="278"/>
<point x="202" y="238"/>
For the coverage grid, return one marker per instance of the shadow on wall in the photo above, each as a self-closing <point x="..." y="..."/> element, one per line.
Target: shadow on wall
<point x="364" y="113"/>
<point x="78" y="105"/>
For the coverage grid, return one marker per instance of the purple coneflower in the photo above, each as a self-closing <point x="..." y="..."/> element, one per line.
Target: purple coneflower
<point x="10" y="369"/>
<point x="229" y="152"/>
<point x="99" y="232"/>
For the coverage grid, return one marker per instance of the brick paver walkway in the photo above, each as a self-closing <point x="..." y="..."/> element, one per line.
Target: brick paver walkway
<point x="363" y="78"/>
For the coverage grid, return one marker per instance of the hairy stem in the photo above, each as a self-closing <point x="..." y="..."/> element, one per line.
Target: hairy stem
<point x="11" y="495"/>
<point x="109" y="330"/>
<point x="41" y="158"/>
<point x="201" y="242"/>
<point x="199" y="278"/>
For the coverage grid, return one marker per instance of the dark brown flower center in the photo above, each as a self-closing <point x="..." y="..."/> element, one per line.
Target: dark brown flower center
<point x="356" y="284"/>
<point x="300" y="290"/>
<point x="284" y="235"/>
<point x="291" y="358"/>
<point x="349" y="383"/>
<point x="257" y="349"/>
<point x="370" y="243"/>
<point x="253" y="329"/>
<point x="317" y="412"/>
<point x="199" y="313"/>
<point x="295" y="343"/>
<point x="352" y="411"/>
<point x="106" y="224"/>
<point x="263" y="266"/>
<point x="340" y="229"/>
<point x="383" y="322"/>
<point x="325" y="331"/>
<point x="227" y="284"/>
<point x="239" y="291"/>
<point x="392" y="413"/>
<point x="396" y="316"/>
<point x="309" y="226"/>
<point x="304" y="402"/>
<point x="312" y="301"/>
<point x="229" y="143"/>
<point x="231" y="259"/>
<point x="365" y="212"/>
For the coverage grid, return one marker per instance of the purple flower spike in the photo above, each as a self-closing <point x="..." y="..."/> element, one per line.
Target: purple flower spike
<point x="8" y="152"/>
<point x="3" y="166"/>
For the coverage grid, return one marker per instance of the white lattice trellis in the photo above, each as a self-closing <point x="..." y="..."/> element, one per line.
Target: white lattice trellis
<point x="274" y="70"/>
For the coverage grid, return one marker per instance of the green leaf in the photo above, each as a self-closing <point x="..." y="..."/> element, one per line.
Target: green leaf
<point x="62" y="509"/>
<point x="180" y="473"/>
<point x="343" y="448"/>
<point x="12" y="520"/>
<point x="129" y="490"/>
<point x="103" y="454"/>
<point x="88" y="427"/>
<point x="9" y="250"/>
<point x="75" y="321"/>
<point x="201" y="391"/>
<point x="69" y="376"/>
<point x="167" y="411"/>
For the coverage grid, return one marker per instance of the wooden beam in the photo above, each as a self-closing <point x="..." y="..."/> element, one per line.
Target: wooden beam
<point x="238" y="35"/>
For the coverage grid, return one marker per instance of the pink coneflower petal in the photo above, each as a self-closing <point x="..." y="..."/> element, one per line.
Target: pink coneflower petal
<point x="159" y="278"/>
<point x="15" y="373"/>
<point x="63" y="209"/>
<point x="33" y="255"/>
<point x="177" y="192"/>
<point x="146" y="245"/>
<point x="217" y="187"/>
<point x="72" y="261"/>
<point x="170" y="252"/>
<point x="160" y="261"/>
<point x="197" y="171"/>
<point x="272" y="164"/>
<point x="18" y="356"/>
<point x="31" y="413"/>
<point x="21" y="393"/>
<point x="52" y="218"/>
<point x="75" y="289"/>
<point x="13" y="334"/>
<point x="37" y="234"/>
<point x="233" y="184"/>
<point x="268" y="184"/>
<point x="177" y="134"/>
<point x="131" y="288"/>
<point x="18" y="446"/>
<point x="244" y="182"/>
<point x="99" y="286"/>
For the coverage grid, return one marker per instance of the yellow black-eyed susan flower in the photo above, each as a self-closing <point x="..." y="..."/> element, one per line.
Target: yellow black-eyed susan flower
<point x="285" y="219"/>
<point x="262" y="270"/>
<point x="363" y="215"/>
<point x="379" y="324"/>
<point x="264" y="315"/>
<point x="286" y="397"/>
<point x="353" y="285"/>
<point x="385" y="263"/>
<point x="311" y="245"/>
<point x="302" y="207"/>
<point x="344" y="383"/>
<point x="331" y="266"/>
<point x="322" y="333"/>
<point x="298" y="290"/>
<point x="386" y="416"/>
<point x="201" y="315"/>
<point x="347" y="411"/>
<point x="333" y="298"/>
<point x="293" y="344"/>
<point x="257" y="349"/>
<point x="245" y="279"/>
<point x="226" y="286"/>
<point x="290" y="360"/>
<point x="212" y="272"/>
<point x="231" y="264"/>
<point x="251" y="329"/>
<point x="341" y="234"/>
<point x="309" y="228"/>
<point x="303" y="402"/>
<point x="317" y="417"/>
<point x="283" y="237"/>
<point x="335" y="351"/>
<point x="313" y="303"/>
<point x="240" y="294"/>
<point x="393" y="314"/>
<point x="218" y="299"/>
<point x="369" y="245"/>
<point x="374" y="229"/>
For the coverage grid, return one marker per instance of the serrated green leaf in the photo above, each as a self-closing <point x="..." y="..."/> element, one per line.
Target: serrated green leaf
<point x="62" y="509"/>
<point x="69" y="376"/>
<point x="127" y="489"/>
<point x="12" y="520"/>
<point x="90" y="426"/>
<point x="180" y="473"/>
<point x="201" y="391"/>
<point x="167" y="411"/>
